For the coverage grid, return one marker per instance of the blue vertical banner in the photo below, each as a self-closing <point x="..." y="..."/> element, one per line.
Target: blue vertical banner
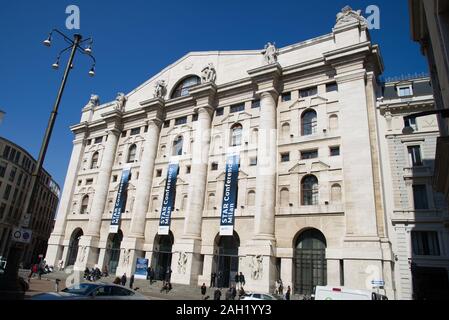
<point x="141" y="268"/>
<point x="168" y="198"/>
<point x="120" y="200"/>
<point x="229" y="195"/>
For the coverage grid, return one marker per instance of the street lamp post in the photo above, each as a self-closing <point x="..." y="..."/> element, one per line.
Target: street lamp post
<point x="9" y="285"/>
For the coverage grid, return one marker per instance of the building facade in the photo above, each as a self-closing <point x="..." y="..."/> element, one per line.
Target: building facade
<point x="309" y="207"/>
<point x="16" y="168"/>
<point x="417" y="215"/>
<point x="430" y="27"/>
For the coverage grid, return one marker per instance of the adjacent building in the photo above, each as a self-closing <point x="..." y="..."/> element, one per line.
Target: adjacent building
<point x="430" y="27"/>
<point x="16" y="168"/>
<point x="417" y="215"/>
<point x="264" y="162"/>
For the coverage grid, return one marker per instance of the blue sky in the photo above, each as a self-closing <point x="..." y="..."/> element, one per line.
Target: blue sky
<point x="134" y="39"/>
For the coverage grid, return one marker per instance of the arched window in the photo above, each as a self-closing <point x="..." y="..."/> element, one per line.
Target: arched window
<point x="154" y="204"/>
<point x="132" y="153"/>
<point x="84" y="204"/>
<point x="211" y="201"/>
<point x="177" y="146"/>
<point x="333" y="122"/>
<point x="255" y="137"/>
<point x="285" y="133"/>
<point x="309" y="123"/>
<point x="251" y="199"/>
<point x="285" y="195"/>
<point x="182" y="89"/>
<point x="236" y="135"/>
<point x="309" y="188"/>
<point x="94" y="162"/>
<point x="336" y="193"/>
<point x="162" y="151"/>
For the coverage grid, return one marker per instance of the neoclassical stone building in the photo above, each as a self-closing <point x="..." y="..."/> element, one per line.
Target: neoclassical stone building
<point x="418" y="216"/>
<point x="301" y="123"/>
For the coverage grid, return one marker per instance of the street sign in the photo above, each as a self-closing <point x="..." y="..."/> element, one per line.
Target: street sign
<point x="21" y="235"/>
<point x="378" y="283"/>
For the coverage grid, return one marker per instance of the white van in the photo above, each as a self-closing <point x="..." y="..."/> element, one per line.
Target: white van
<point x="342" y="293"/>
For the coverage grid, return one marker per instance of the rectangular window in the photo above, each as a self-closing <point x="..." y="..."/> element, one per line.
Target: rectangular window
<point x="89" y="182"/>
<point x="17" y="158"/>
<point x="7" y="192"/>
<point x="334" y="151"/>
<point x="98" y="140"/>
<point x="219" y="112"/>
<point x="12" y="154"/>
<point x="420" y="197"/>
<point x="3" y="167"/>
<point x="135" y="131"/>
<point x="331" y="87"/>
<point x="145" y="129"/>
<point x="285" y="157"/>
<point x="158" y="173"/>
<point x="253" y="161"/>
<point x="308" y="92"/>
<point x="6" y="152"/>
<point x="237" y="108"/>
<point x="255" y="104"/>
<point x="167" y="124"/>
<point x="405" y="91"/>
<point x="425" y="243"/>
<point x="89" y="141"/>
<point x="12" y="174"/>
<point x="414" y="154"/>
<point x="2" y="210"/>
<point x="287" y="96"/>
<point x="180" y="121"/>
<point x="214" y="166"/>
<point x="309" y="154"/>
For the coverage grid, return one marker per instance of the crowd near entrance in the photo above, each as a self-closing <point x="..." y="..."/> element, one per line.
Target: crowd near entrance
<point x="226" y="260"/>
<point x="162" y="255"/>
<point x="73" y="246"/>
<point x="310" y="266"/>
<point x="113" y="251"/>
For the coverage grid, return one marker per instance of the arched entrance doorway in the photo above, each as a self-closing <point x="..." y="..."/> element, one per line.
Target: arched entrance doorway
<point x="226" y="259"/>
<point x="162" y="255"/>
<point x="73" y="246"/>
<point x="310" y="265"/>
<point x="113" y="251"/>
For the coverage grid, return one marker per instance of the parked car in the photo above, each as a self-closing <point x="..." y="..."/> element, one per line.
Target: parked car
<point x="92" y="291"/>
<point x="258" y="296"/>
<point x="342" y="293"/>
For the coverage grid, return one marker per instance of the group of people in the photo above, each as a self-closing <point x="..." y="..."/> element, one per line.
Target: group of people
<point x="39" y="269"/>
<point x="95" y="274"/>
<point x="123" y="280"/>
<point x="239" y="280"/>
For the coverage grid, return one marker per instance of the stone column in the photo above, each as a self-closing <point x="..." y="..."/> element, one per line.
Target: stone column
<point x="55" y="243"/>
<point x="261" y="250"/>
<point x="135" y="240"/>
<point x="89" y="242"/>
<point x="190" y="243"/>
<point x="266" y="167"/>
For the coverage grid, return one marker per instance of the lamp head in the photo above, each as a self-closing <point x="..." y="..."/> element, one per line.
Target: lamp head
<point x="47" y="42"/>
<point x="92" y="71"/>
<point x="56" y="64"/>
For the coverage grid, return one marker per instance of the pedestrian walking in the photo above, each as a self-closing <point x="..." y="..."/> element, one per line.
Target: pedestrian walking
<point x="123" y="280"/>
<point x="131" y="281"/>
<point x="213" y="276"/>
<point x="233" y="292"/>
<point x="151" y="274"/>
<point x="237" y="279"/>
<point x="281" y="287"/>
<point x="168" y="274"/>
<point x="203" y="290"/>
<point x="287" y="294"/>
<point x="217" y="294"/>
<point x="61" y="265"/>
<point x="242" y="280"/>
